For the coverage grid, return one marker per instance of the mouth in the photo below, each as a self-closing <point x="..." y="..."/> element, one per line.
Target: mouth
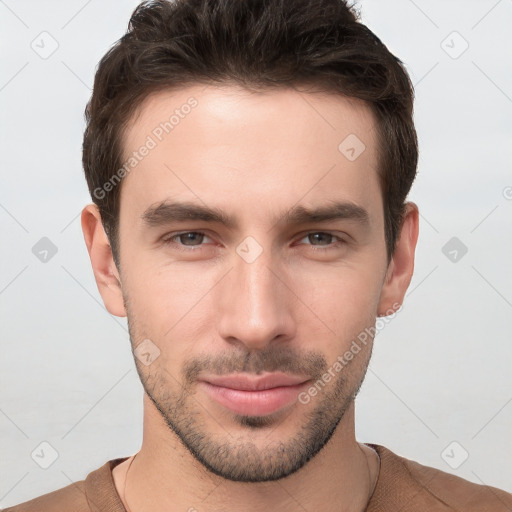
<point x="254" y="395"/>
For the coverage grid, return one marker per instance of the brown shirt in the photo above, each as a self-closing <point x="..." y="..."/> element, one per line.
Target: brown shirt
<point x="403" y="485"/>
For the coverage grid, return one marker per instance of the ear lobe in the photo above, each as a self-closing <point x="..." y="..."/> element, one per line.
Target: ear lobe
<point x="102" y="261"/>
<point x="401" y="266"/>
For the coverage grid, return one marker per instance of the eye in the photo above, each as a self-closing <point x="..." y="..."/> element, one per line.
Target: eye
<point x="185" y="239"/>
<point x="325" y="240"/>
<point x="188" y="240"/>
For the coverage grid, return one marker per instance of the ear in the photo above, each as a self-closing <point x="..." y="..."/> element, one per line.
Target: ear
<point x="401" y="266"/>
<point x="102" y="260"/>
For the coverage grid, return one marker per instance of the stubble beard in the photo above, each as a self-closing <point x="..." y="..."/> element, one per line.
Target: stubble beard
<point x="229" y="452"/>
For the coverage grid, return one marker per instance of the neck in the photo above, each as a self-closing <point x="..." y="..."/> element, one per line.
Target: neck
<point x="164" y="476"/>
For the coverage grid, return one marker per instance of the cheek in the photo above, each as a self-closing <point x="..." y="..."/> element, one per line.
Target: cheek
<point x="331" y="303"/>
<point x="343" y="302"/>
<point x="171" y="302"/>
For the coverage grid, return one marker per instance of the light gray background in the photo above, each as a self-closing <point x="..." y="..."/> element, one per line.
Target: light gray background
<point x="441" y="369"/>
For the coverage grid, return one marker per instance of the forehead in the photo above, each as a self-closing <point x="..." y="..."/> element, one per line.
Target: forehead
<point x="234" y="107"/>
<point x="232" y="148"/>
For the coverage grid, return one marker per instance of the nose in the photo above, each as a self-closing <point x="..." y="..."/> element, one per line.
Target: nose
<point x="255" y="307"/>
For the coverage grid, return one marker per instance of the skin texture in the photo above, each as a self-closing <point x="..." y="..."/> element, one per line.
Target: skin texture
<point x="293" y="309"/>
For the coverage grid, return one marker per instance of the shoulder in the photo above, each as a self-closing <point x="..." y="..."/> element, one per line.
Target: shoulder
<point x="70" y="498"/>
<point x="96" y="493"/>
<point x="403" y="481"/>
<point x="457" y="491"/>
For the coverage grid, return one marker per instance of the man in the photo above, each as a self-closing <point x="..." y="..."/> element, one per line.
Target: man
<point x="249" y="164"/>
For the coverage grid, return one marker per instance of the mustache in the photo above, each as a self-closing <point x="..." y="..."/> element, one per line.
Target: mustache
<point x="269" y="359"/>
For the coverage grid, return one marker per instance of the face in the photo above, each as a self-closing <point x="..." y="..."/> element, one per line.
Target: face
<point x="252" y="255"/>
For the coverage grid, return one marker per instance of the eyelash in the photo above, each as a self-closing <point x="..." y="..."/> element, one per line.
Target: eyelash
<point x="168" y="240"/>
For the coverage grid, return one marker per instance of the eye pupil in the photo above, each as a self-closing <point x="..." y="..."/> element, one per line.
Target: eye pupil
<point x="314" y="236"/>
<point x="190" y="237"/>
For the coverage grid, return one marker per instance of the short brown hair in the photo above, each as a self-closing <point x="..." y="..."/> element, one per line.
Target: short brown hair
<point x="258" y="44"/>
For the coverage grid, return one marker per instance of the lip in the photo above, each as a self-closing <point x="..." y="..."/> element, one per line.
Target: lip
<point x="254" y="395"/>
<point x="255" y="383"/>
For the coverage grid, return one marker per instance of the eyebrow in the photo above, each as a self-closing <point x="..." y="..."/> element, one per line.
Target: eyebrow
<point x="167" y="212"/>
